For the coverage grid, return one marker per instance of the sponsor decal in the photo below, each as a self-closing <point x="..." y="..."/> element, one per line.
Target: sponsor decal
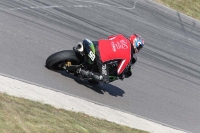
<point x="113" y="47"/>
<point x="122" y="44"/>
<point x="104" y="72"/>
<point x="91" y="55"/>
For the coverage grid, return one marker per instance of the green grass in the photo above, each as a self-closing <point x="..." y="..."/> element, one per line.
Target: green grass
<point x="188" y="7"/>
<point x="19" y="115"/>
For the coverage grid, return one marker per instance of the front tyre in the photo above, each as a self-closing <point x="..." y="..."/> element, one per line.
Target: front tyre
<point x="57" y="60"/>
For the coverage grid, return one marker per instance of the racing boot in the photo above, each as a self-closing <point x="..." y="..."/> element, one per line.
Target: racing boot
<point x="96" y="77"/>
<point x="84" y="73"/>
<point x="90" y="75"/>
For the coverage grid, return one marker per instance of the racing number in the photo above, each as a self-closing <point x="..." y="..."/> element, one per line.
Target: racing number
<point x="91" y="55"/>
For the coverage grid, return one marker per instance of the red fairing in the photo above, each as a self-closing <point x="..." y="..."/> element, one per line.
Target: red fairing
<point x="116" y="47"/>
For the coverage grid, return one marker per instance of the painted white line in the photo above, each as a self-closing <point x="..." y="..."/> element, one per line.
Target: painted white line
<point x="59" y="100"/>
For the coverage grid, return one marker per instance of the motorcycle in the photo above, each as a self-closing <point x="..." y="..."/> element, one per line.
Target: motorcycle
<point x="71" y="61"/>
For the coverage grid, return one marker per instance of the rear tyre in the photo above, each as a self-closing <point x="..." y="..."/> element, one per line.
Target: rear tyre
<point x="57" y="60"/>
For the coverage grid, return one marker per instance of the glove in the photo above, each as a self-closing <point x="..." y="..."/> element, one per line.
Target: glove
<point x="122" y="76"/>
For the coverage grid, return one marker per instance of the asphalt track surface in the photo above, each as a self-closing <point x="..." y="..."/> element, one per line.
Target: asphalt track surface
<point x="165" y="86"/>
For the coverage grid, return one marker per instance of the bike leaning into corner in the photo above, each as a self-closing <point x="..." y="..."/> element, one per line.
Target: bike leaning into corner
<point x="100" y="62"/>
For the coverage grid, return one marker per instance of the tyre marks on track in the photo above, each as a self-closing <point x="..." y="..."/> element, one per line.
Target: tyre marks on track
<point x="85" y="5"/>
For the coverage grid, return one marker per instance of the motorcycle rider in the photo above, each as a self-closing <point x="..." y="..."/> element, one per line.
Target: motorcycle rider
<point x="115" y="50"/>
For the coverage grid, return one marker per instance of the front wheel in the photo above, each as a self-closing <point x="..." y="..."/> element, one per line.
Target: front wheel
<point x="57" y="60"/>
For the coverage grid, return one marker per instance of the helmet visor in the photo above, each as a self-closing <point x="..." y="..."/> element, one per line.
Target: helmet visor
<point x="139" y="43"/>
<point x="139" y="47"/>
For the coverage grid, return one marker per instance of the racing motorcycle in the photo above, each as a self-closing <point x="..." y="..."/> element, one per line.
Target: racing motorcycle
<point x="71" y="61"/>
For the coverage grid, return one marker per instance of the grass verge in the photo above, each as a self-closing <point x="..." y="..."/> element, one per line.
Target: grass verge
<point x="18" y="115"/>
<point x="188" y="7"/>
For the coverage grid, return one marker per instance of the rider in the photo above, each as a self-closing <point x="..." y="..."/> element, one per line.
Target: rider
<point x="116" y="50"/>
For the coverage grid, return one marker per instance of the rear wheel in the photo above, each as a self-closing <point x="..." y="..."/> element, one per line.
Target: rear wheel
<point x="58" y="60"/>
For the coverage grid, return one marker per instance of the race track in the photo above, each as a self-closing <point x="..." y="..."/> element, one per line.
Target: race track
<point x="165" y="86"/>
